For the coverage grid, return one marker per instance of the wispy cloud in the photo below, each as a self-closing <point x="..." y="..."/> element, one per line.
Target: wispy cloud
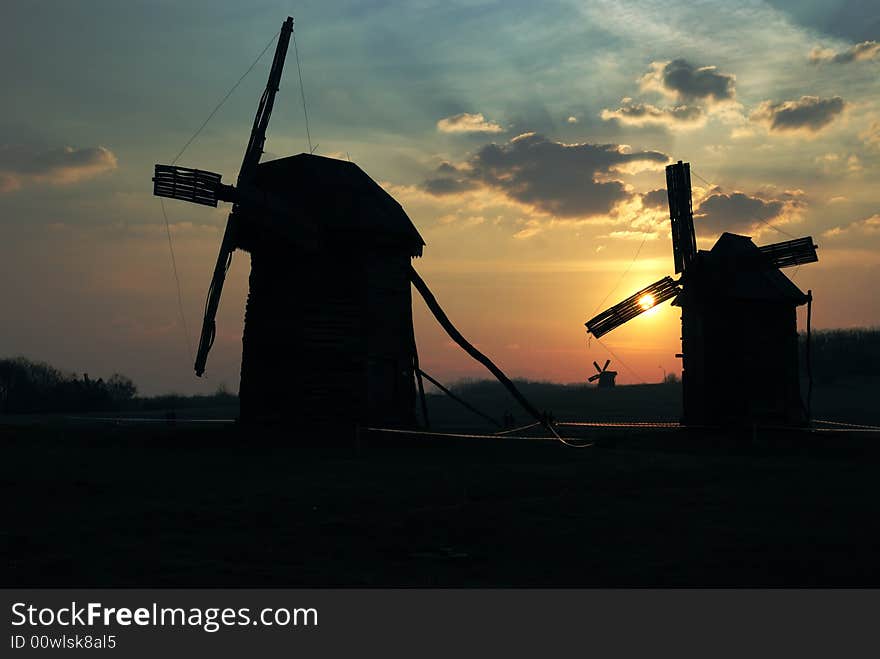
<point x="466" y="122"/>
<point x="20" y="165"/>
<point x="632" y="113"/>
<point x="867" y="226"/>
<point x="860" y="52"/>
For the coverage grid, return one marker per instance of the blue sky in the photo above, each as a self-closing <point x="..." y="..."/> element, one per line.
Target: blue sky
<point x="773" y="103"/>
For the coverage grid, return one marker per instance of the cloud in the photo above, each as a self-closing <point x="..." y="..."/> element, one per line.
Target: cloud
<point x="565" y="180"/>
<point x="871" y="135"/>
<point x="868" y="226"/>
<point x="740" y="212"/>
<point x="861" y="52"/>
<point x="655" y="199"/>
<point x="448" y="179"/>
<point x="696" y="93"/>
<point x="682" y="80"/>
<point x="20" y="165"/>
<point x="466" y="122"/>
<point x="809" y="114"/>
<point x="572" y="119"/>
<point x="640" y="114"/>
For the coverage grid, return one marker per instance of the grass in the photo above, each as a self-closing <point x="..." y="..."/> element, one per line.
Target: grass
<point x="106" y="505"/>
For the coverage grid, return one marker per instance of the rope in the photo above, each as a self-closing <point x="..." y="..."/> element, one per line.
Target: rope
<point x="521" y="428"/>
<point x="177" y="282"/>
<point x="223" y="100"/>
<point x="162" y="202"/>
<point x="302" y="91"/>
<point x="847" y="425"/>
<point x="425" y="433"/>
<point x="754" y="217"/>
<point x="625" y="273"/>
<point x="621" y="424"/>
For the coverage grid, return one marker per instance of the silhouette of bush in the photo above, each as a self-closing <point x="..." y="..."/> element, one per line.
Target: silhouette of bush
<point x="28" y="386"/>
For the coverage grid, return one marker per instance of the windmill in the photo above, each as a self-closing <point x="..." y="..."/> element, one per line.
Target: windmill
<point x="603" y="375"/>
<point x="328" y="336"/>
<point x="738" y="319"/>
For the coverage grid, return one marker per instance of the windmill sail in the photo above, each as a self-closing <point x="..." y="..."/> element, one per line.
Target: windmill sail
<point x="791" y="252"/>
<point x="193" y="185"/>
<point x="249" y="163"/>
<point x="681" y="215"/>
<point x="638" y="303"/>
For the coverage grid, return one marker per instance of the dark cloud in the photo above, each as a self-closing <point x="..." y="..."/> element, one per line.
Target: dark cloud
<point x="655" y="199"/>
<point x="20" y="164"/>
<point x="639" y="114"/>
<point x="866" y="50"/>
<point x="689" y="82"/>
<point x="810" y="113"/>
<point x="569" y="180"/>
<point x="735" y="212"/>
<point x="443" y="185"/>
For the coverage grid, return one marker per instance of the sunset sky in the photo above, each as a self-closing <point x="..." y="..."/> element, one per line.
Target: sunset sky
<point x="526" y="140"/>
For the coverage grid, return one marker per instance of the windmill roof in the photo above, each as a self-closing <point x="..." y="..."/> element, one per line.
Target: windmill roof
<point x="341" y="199"/>
<point x="735" y="269"/>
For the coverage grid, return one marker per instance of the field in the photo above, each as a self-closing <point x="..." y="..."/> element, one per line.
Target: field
<point x="97" y="503"/>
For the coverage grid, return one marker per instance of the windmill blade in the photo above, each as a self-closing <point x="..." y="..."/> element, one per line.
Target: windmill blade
<point x="194" y="185"/>
<point x="659" y="291"/>
<point x="596" y="364"/>
<point x="681" y="214"/>
<point x="593" y="378"/>
<point x="791" y="252"/>
<point x="607" y="361"/>
<point x="248" y="166"/>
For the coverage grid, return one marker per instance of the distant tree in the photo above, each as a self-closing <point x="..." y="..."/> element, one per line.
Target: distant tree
<point x="121" y="388"/>
<point x="842" y="353"/>
<point x="671" y="378"/>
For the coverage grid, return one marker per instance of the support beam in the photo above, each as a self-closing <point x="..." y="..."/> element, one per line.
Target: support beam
<point x="460" y="401"/>
<point x="418" y="372"/>
<point x="456" y="336"/>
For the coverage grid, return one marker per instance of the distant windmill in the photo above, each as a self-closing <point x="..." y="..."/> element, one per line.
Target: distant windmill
<point x="603" y="375"/>
<point x="738" y="319"/>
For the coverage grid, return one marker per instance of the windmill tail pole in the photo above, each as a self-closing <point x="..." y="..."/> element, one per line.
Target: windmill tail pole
<point x="456" y="336"/>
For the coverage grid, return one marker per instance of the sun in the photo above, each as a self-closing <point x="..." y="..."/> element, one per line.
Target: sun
<point x="646" y="301"/>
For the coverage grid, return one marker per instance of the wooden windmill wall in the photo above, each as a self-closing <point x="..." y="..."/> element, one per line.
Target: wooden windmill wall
<point x="328" y="329"/>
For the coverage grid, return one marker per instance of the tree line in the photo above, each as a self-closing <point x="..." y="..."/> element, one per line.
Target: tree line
<point x="28" y="386"/>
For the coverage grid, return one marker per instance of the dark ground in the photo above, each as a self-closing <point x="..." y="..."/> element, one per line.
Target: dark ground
<point x="97" y="504"/>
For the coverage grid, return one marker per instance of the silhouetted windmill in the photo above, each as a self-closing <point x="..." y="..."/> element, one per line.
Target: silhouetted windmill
<point x="738" y="319"/>
<point x="603" y="375"/>
<point x="328" y="334"/>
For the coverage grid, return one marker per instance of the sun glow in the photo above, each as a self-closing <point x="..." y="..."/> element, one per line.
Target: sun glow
<point x="646" y="301"/>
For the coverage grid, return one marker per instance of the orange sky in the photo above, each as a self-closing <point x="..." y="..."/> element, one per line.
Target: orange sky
<point x="529" y="160"/>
